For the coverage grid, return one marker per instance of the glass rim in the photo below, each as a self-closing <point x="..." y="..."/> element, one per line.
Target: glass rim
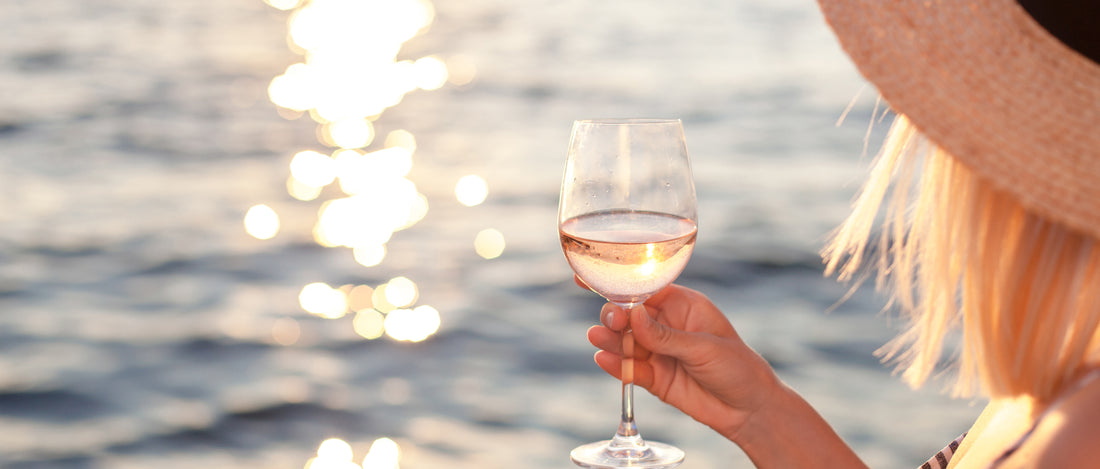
<point x="627" y="121"/>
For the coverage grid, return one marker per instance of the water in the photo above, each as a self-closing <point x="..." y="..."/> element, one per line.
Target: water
<point x="140" y="324"/>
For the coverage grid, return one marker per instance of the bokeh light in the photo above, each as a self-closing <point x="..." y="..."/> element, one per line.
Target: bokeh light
<point x="460" y="70"/>
<point x="369" y="255"/>
<point x="350" y="133"/>
<point x="401" y="138"/>
<point x="335" y="449"/>
<point x="489" y="243"/>
<point x="471" y="190"/>
<point x="384" y="453"/>
<point x="261" y="222"/>
<point x="351" y="47"/>
<point x="286" y="331"/>
<point x="283" y="4"/>
<point x="333" y="453"/>
<point x="319" y="463"/>
<point x="412" y="325"/>
<point x="378" y="299"/>
<point x="376" y="172"/>
<point x="348" y="77"/>
<point x="400" y="325"/>
<point x="400" y="292"/>
<point x="313" y="168"/>
<point x="359" y="298"/>
<point x="302" y="191"/>
<point x="322" y="300"/>
<point x="417" y="210"/>
<point x="369" y="324"/>
<point x="291" y="89"/>
<point x="357" y="221"/>
<point x="430" y="73"/>
<point x="428" y="321"/>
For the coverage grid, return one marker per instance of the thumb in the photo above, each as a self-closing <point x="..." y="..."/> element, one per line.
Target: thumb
<point x="660" y="338"/>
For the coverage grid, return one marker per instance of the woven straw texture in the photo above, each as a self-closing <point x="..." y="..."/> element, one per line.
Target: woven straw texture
<point x="988" y="84"/>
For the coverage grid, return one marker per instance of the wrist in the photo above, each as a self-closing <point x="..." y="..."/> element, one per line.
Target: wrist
<point x="765" y="418"/>
<point x="785" y="431"/>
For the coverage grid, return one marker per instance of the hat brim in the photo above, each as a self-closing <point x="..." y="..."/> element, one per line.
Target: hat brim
<point x="989" y="85"/>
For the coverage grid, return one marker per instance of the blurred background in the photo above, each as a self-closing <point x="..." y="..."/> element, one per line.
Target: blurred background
<point x="321" y="234"/>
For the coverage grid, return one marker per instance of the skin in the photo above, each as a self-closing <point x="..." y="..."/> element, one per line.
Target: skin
<point x="689" y="355"/>
<point x="1064" y="437"/>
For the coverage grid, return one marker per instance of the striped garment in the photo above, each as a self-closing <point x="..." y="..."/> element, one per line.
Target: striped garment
<point x="940" y="460"/>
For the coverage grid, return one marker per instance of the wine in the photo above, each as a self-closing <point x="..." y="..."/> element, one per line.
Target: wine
<point x="627" y="256"/>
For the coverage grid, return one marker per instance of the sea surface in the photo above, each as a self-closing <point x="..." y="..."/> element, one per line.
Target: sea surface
<point x="141" y="326"/>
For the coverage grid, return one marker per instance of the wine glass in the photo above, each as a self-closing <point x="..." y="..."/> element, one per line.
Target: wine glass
<point x="627" y="222"/>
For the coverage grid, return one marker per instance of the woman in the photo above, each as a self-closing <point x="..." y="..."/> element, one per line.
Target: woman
<point x="990" y="180"/>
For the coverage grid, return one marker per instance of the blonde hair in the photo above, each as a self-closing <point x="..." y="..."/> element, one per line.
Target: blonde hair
<point x="958" y="253"/>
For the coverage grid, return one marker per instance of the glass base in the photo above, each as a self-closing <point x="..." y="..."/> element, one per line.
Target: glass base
<point x="649" y="454"/>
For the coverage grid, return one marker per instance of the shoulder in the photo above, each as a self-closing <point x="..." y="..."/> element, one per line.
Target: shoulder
<point x="1066" y="436"/>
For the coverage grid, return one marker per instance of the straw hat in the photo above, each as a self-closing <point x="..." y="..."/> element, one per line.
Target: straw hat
<point x="987" y="82"/>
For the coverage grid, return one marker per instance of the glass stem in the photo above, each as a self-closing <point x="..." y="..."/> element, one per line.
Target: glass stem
<point x="627" y="443"/>
<point x="627" y="428"/>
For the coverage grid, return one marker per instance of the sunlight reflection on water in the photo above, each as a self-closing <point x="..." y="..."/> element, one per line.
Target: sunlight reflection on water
<point x="335" y="453"/>
<point x="471" y="190"/>
<point x="489" y="243"/>
<point x="261" y="222"/>
<point x="350" y="75"/>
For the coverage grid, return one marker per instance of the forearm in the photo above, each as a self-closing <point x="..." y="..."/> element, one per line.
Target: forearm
<point x="787" y="432"/>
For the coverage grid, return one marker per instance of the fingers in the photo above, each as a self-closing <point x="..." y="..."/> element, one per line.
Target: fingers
<point x="614" y="317"/>
<point x="605" y="339"/>
<point x="686" y="309"/>
<point x="660" y="338"/>
<point x="673" y="292"/>
<point x="611" y="341"/>
<point x="612" y="364"/>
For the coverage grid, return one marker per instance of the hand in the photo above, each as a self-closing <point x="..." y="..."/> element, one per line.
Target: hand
<point x="689" y="355"/>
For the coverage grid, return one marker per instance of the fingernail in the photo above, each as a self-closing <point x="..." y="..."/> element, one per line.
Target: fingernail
<point x="610" y="318"/>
